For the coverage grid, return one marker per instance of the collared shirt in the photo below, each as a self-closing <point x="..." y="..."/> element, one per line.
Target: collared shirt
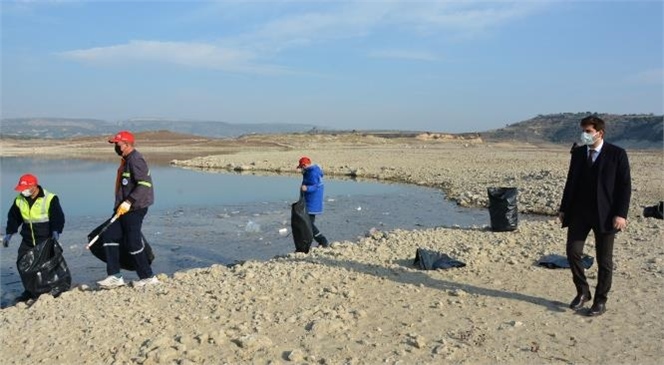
<point x="597" y="150"/>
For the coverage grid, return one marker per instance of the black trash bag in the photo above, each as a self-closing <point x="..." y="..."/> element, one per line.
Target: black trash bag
<point x="433" y="260"/>
<point x="126" y="261"/>
<point x="303" y="233"/>
<point x="503" y="209"/>
<point x="43" y="269"/>
<point x="655" y="211"/>
<point x="560" y="262"/>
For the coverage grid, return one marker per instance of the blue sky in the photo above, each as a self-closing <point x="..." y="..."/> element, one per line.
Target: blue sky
<point x="412" y="65"/>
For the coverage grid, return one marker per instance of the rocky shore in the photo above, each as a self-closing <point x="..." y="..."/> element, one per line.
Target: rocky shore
<point x="365" y="302"/>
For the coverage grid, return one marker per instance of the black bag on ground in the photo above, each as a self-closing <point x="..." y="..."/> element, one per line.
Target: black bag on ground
<point x="655" y="211"/>
<point x="126" y="261"/>
<point x="432" y="260"/>
<point x="43" y="269"/>
<point x="560" y="262"/>
<point x="503" y="209"/>
<point x="303" y="234"/>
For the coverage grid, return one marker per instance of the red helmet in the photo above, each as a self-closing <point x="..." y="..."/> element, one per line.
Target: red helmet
<point x="303" y="161"/>
<point x="122" y="136"/>
<point x="26" y="182"/>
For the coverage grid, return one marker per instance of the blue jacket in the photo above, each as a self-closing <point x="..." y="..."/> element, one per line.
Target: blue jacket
<point x="312" y="178"/>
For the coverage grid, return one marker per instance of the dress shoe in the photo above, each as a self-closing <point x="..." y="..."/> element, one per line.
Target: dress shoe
<point x="579" y="301"/>
<point x="597" y="309"/>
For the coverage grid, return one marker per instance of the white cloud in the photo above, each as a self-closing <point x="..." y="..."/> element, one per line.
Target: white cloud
<point x="653" y="76"/>
<point x="366" y="18"/>
<point x="299" y="25"/>
<point x="403" y="54"/>
<point x="200" y="55"/>
<point x="468" y="17"/>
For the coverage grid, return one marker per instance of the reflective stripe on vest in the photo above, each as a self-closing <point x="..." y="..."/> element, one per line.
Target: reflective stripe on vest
<point x="38" y="213"/>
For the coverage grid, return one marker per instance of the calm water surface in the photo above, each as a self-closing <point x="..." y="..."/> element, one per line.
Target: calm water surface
<point x="203" y="218"/>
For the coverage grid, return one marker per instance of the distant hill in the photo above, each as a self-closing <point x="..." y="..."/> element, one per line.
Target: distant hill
<point x="629" y="130"/>
<point x="57" y="128"/>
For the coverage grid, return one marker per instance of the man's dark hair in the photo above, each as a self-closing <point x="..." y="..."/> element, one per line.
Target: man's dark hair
<point x="596" y="122"/>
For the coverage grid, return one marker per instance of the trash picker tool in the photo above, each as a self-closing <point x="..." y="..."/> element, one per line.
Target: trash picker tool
<point x="103" y="229"/>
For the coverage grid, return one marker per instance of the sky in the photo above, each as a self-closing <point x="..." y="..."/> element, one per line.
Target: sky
<point x="439" y="66"/>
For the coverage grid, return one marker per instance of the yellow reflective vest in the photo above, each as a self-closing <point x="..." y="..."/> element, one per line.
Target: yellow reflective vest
<point x="36" y="216"/>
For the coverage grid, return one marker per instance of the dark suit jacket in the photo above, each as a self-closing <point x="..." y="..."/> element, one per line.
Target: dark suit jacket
<point x="614" y="185"/>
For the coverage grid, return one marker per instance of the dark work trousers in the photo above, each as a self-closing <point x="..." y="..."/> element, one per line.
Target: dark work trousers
<point x="576" y="236"/>
<point x="125" y="234"/>
<point x="322" y="241"/>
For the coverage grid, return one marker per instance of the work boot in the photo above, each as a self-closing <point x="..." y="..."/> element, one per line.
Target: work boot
<point x="24" y="297"/>
<point x="322" y="241"/>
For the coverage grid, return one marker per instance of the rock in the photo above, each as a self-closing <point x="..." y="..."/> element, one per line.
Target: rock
<point x="296" y="355"/>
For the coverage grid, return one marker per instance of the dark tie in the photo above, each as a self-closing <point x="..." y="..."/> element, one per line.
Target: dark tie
<point x="591" y="153"/>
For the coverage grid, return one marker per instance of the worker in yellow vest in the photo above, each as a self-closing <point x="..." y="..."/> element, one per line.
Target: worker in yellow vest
<point x="39" y="213"/>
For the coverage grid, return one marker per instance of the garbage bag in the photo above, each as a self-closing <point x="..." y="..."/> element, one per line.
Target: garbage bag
<point x="126" y="261"/>
<point x="560" y="262"/>
<point x="503" y="209"/>
<point x="43" y="269"/>
<point x="655" y="211"/>
<point x="433" y="260"/>
<point x="303" y="233"/>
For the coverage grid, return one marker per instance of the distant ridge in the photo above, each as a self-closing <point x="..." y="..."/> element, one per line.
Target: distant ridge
<point x="628" y="130"/>
<point x="57" y="128"/>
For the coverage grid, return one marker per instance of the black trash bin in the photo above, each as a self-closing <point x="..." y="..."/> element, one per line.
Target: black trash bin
<point x="503" y="209"/>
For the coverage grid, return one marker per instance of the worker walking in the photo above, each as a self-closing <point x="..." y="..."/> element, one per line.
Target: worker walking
<point x="40" y="216"/>
<point x="134" y="193"/>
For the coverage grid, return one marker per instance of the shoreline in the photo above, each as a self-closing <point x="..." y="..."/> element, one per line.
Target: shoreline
<point x="364" y="302"/>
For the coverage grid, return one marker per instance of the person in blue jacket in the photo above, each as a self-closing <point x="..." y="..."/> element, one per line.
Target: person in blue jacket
<point x="313" y="189"/>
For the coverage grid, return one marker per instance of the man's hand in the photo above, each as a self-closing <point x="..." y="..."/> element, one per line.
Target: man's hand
<point x="5" y="240"/>
<point x="619" y="223"/>
<point x="303" y="188"/>
<point x="55" y="235"/>
<point x="123" y="208"/>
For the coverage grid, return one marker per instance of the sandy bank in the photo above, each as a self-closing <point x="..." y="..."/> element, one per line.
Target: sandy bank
<point x="364" y="302"/>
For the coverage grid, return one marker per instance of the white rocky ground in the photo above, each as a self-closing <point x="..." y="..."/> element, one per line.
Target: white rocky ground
<point x="365" y="302"/>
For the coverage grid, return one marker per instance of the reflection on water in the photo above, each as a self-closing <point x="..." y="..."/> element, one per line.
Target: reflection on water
<point x="86" y="188"/>
<point x="202" y="218"/>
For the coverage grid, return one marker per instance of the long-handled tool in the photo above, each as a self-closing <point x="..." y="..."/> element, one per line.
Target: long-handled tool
<point x="102" y="230"/>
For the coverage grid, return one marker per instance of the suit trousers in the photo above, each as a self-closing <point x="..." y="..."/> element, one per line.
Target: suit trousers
<point x="576" y="237"/>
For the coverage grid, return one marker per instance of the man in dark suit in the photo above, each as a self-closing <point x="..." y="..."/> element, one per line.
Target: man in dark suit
<point x="596" y="197"/>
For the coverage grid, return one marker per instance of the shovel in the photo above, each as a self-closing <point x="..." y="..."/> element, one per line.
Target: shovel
<point x="103" y="229"/>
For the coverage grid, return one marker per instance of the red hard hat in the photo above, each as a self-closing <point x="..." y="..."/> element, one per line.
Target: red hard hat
<point x="26" y="182"/>
<point x="122" y="136"/>
<point x="303" y="161"/>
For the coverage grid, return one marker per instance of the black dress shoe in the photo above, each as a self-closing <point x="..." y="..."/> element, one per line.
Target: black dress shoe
<point x="579" y="301"/>
<point x="597" y="309"/>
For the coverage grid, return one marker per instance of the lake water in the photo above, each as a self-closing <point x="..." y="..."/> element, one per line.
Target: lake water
<point x="202" y="218"/>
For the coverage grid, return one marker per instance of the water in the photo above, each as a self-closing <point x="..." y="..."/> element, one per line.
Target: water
<point x="203" y="218"/>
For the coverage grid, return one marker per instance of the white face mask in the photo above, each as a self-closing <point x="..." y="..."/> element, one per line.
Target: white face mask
<point x="587" y="138"/>
<point x="26" y="193"/>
